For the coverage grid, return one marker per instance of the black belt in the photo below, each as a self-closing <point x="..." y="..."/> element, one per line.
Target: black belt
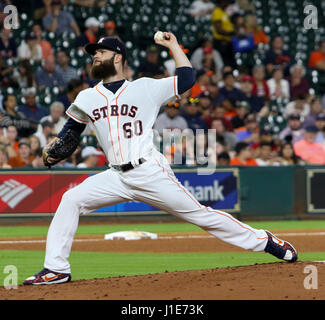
<point x="127" y="166"/>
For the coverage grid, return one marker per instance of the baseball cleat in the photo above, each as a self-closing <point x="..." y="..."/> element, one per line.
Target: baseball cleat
<point x="280" y="248"/>
<point x="47" y="276"/>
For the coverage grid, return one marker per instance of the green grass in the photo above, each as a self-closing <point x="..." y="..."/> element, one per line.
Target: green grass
<point x="89" y="265"/>
<point x="101" y="229"/>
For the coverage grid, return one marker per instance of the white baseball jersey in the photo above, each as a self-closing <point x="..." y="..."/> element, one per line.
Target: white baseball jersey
<point x="123" y="121"/>
<point x="123" y="124"/>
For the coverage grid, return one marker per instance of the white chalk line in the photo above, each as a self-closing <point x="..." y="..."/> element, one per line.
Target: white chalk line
<point x="288" y="234"/>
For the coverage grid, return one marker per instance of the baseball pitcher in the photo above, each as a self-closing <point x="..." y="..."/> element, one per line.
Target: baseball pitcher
<point x="122" y="114"/>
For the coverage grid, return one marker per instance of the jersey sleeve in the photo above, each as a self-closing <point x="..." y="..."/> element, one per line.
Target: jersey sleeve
<point x="75" y="111"/>
<point x="77" y="114"/>
<point x="162" y="90"/>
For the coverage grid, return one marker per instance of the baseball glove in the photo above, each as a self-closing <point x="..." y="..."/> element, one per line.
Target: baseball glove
<point x="60" y="148"/>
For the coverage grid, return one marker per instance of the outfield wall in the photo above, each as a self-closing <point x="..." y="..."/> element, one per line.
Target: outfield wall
<point x="249" y="192"/>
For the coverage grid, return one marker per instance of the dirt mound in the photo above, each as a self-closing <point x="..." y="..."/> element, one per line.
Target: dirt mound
<point x="272" y="281"/>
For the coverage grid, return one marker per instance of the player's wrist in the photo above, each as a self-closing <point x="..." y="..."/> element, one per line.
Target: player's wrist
<point x="175" y="47"/>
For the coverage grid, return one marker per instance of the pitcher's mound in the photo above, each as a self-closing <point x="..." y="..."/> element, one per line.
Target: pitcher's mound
<point x="272" y="281"/>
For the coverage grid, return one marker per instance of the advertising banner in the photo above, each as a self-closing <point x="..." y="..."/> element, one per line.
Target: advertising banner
<point x="41" y="191"/>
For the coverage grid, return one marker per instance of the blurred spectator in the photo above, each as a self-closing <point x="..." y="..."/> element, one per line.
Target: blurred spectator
<point x="86" y="74"/>
<point x="242" y="41"/>
<point x="73" y="160"/>
<point x="316" y="108"/>
<point x="90" y="3"/>
<point x="23" y="75"/>
<point x="204" y="105"/>
<point x="41" y="8"/>
<point x="223" y="159"/>
<point x="298" y="83"/>
<point x="13" y="117"/>
<point x="63" y="68"/>
<point x="287" y="154"/>
<point x="72" y="90"/>
<point x="110" y="29"/>
<point x="238" y="21"/>
<point x="59" y="21"/>
<point x="223" y="30"/>
<point x="264" y="158"/>
<point x="277" y="56"/>
<point x="89" y="156"/>
<point x="56" y="117"/>
<point x="251" y="26"/>
<point x="294" y="131"/>
<point x="229" y="91"/>
<point x="170" y="64"/>
<point x="35" y="144"/>
<point x="29" y="48"/>
<point x="47" y="128"/>
<point x="219" y="112"/>
<point x="227" y="138"/>
<point x="152" y="67"/>
<point x="317" y="57"/>
<point x="201" y="8"/>
<point x="6" y="72"/>
<point x="243" y="110"/>
<point x="250" y="132"/>
<point x="320" y="124"/>
<point x="202" y="83"/>
<point x="45" y="45"/>
<point x="206" y="49"/>
<point x="37" y="162"/>
<point x="308" y="149"/>
<point x="4" y="157"/>
<point x="265" y="135"/>
<point x="278" y="86"/>
<point x="9" y="139"/>
<point x="47" y="76"/>
<point x="90" y="34"/>
<point x="225" y="70"/>
<point x="256" y="103"/>
<point x="299" y="105"/>
<point x="8" y="47"/>
<point x="170" y="119"/>
<point x="245" y="5"/>
<point x="213" y="90"/>
<point x="31" y="109"/>
<point x="24" y="156"/>
<point x="192" y="115"/>
<point x="243" y="156"/>
<point x="260" y="86"/>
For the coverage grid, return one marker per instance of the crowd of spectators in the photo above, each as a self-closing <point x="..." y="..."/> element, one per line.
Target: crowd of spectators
<point x="262" y="115"/>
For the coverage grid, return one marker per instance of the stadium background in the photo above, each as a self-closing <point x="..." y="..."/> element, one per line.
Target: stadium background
<point x="285" y="192"/>
<point x="135" y="23"/>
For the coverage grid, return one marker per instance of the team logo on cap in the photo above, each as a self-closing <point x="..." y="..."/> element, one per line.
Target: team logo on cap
<point x="101" y="40"/>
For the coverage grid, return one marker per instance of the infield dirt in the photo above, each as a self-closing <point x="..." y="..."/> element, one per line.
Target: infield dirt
<point x="271" y="281"/>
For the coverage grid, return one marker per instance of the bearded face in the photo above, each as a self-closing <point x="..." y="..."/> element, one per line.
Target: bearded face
<point x="104" y="69"/>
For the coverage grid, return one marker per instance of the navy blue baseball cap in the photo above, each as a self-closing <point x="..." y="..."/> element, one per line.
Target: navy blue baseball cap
<point x="109" y="43"/>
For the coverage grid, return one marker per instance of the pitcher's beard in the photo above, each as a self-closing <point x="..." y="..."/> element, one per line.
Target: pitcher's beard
<point x="104" y="70"/>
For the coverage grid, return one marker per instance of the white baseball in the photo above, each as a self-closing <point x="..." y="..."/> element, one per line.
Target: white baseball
<point x="159" y="35"/>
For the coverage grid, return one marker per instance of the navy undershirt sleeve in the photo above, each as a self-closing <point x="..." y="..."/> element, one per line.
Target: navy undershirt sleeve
<point x="72" y="125"/>
<point x="186" y="79"/>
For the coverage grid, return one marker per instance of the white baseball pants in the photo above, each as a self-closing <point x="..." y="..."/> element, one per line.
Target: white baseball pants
<point x="154" y="183"/>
